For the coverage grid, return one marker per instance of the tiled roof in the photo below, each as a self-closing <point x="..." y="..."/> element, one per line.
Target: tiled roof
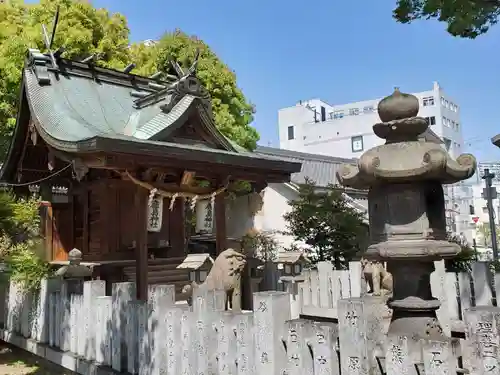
<point x="79" y="107"/>
<point x="319" y="168"/>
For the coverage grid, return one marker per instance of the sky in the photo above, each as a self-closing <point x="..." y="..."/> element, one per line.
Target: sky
<point x="339" y="51"/>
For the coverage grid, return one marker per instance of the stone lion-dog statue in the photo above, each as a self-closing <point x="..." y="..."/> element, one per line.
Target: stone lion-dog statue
<point x="377" y="277"/>
<point x="225" y="275"/>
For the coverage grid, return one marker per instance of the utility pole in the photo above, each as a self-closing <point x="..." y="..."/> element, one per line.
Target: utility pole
<point x="490" y="193"/>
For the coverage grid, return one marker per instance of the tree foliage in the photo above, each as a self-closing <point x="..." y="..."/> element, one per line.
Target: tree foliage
<point x="463" y="260"/>
<point x="19" y="217"/>
<point x="84" y="30"/>
<point x="484" y="232"/>
<point x="261" y="245"/>
<point x="324" y="220"/>
<point x="465" y="18"/>
<point x="232" y="112"/>
<point x="20" y="245"/>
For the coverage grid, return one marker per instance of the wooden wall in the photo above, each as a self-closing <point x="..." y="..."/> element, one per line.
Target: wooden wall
<point x="100" y="220"/>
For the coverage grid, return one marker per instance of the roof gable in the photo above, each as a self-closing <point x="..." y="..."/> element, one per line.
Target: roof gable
<point x="77" y="107"/>
<point x="93" y="101"/>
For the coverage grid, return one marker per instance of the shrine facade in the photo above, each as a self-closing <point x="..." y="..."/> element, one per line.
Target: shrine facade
<point x="120" y="160"/>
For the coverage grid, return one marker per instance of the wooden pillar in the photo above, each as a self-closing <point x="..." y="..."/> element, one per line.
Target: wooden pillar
<point x="177" y="228"/>
<point x="71" y="219"/>
<point x="220" y="223"/>
<point x="141" y="243"/>
<point x="86" y="226"/>
<point x="48" y="228"/>
<point x="104" y="192"/>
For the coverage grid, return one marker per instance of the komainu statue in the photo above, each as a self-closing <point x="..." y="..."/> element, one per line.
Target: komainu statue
<point x="225" y="275"/>
<point x="377" y="277"/>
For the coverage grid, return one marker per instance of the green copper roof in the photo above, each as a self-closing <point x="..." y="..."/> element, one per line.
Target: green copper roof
<point x="78" y="107"/>
<point x="74" y="108"/>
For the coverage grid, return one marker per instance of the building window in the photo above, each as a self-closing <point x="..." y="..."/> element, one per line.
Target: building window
<point x="368" y="109"/>
<point x="428" y="101"/>
<point x="354" y="111"/>
<point x="291" y="132"/>
<point x="357" y="143"/>
<point x="471" y="209"/>
<point x="442" y="101"/>
<point x="323" y="113"/>
<point x="431" y="120"/>
<point x="446" y="122"/>
<point x="447" y="143"/>
<point x="338" y="114"/>
<point x="457" y="126"/>
<point x="330" y="115"/>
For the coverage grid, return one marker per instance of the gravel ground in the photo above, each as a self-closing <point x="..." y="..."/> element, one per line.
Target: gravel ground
<point x="14" y="361"/>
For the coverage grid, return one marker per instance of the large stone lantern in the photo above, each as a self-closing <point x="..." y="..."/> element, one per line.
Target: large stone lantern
<point x="407" y="211"/>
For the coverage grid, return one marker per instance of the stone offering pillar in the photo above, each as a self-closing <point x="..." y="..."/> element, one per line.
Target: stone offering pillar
<point x="407" y="213"/>
<point x="122" y="294"/>
<point x="271" y="311"/>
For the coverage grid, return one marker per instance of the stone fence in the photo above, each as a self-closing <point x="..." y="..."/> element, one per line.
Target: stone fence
<point x="75" y="325"/>
<point x="322" y="287"/>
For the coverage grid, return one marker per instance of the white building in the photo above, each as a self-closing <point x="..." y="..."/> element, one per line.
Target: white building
<point x="459" y="204"/>
<point x="345" y="130"/>
<point x="149" y="42"/>
<point x="493" y="166"/>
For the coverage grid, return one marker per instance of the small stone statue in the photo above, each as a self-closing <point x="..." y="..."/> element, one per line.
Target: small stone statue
<point x="377" y="277"/>
<point x="225" y="275"/>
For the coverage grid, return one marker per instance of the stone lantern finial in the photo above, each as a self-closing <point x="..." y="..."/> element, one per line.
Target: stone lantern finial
<point x="406" y="202"/>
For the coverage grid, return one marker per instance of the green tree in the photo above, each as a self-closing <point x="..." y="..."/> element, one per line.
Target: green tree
<point x="20" y="245"/>
<point x="484" y="231"/>
<point x="463" y="260"/>
<point x="465" y="18"/>
<point x="233" y="114"/>
<point x="323" y="219"/>
<point x="19" y="217"/>
<point x="84" y="30"/>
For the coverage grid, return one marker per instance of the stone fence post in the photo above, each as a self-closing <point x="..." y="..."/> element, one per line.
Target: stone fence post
<point x="271" y="311"/>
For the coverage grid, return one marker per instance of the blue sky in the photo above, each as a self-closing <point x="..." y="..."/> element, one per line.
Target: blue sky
<point x="340" y="51"/>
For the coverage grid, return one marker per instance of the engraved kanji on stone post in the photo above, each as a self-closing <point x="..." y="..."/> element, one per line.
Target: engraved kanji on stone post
<point x="407" y="211"/>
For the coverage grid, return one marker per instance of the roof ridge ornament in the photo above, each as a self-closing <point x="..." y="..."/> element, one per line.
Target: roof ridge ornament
<point x="186" y="83"/>
<point x="39" y="62"/>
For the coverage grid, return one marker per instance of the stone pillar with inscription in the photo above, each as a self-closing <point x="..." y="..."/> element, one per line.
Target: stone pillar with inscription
<point x="406" y="203"/>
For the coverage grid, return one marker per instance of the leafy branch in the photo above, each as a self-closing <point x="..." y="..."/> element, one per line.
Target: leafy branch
<point x="326" y="221"/>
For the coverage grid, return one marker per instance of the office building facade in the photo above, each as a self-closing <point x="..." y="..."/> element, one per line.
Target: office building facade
<point x="346" y="130"/>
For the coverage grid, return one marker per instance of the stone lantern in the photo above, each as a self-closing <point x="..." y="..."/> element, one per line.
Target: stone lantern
<point x="74" y="273"/>
<point x="406" y="202"/>
<point x="74" y="269"/>
<point x="292" y="264"/>
<point x="199" y="265"/>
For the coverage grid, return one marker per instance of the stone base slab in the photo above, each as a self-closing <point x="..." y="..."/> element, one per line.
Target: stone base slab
<point x="67" y="360"/>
